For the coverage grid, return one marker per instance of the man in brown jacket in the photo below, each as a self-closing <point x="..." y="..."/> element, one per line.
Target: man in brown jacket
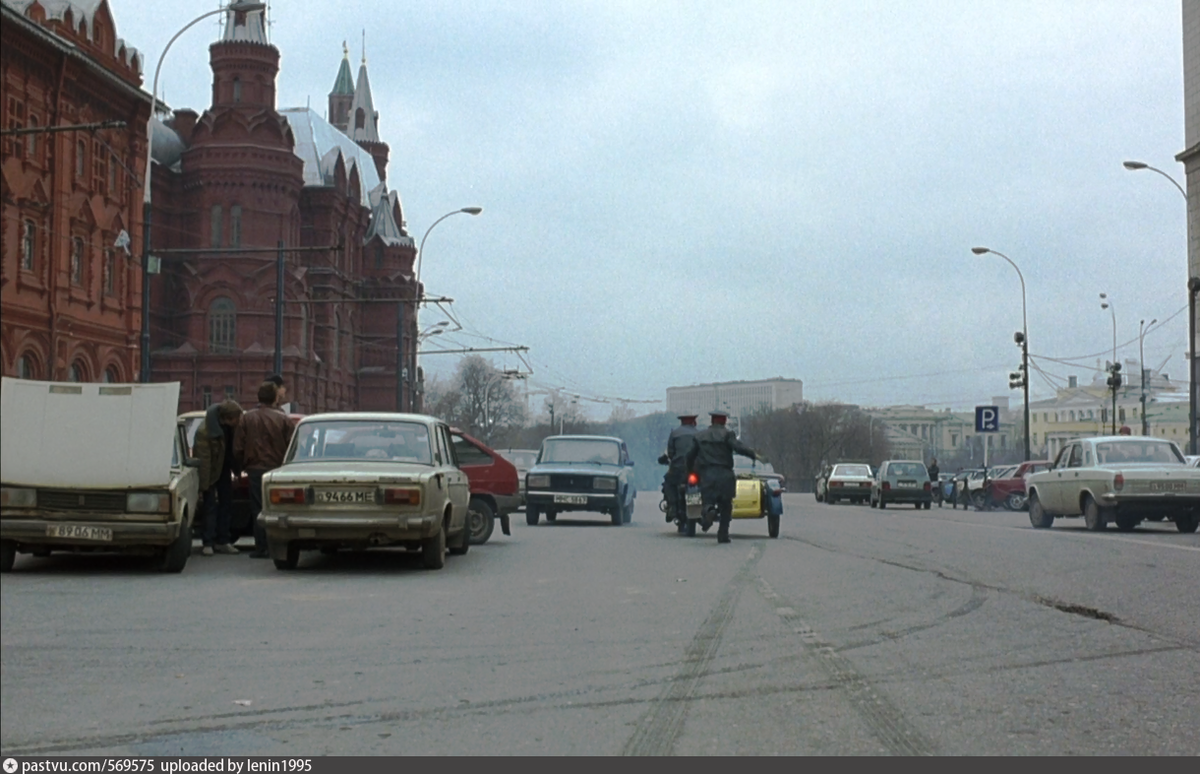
<point x="259" y="443"/>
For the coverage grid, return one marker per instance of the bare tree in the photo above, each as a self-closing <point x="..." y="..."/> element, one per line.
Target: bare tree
<point x="480" y="400"/>
<point x="800" y="439"/>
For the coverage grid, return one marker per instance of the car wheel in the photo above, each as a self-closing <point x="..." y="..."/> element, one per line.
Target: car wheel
<point x="531" y="515"/>
<point x="629" y="514"/>
<point x="1127" y="523"/>
<point x="433" y="549"/>
<point x="461" y="544"/>
<point x="291" y="558"/>
<point x="772" y="525"/>
<point x="1185" y="524"/>
<point x="1016" y="502"/>
<point x="978" y="501"/>
<point x="8" y="555"/>
<point x="1037" y="514"/>
<point x="175" y="556"/>
<point x="618" y="515"/>
<point x="481" y="520"/>
<point x="1093" y="516"/>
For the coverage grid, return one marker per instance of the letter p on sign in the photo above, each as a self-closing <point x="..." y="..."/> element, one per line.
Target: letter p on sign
<point x="987" y="419"/>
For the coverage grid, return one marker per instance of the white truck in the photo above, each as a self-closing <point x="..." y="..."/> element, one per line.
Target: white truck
<point x="95" y="468"/>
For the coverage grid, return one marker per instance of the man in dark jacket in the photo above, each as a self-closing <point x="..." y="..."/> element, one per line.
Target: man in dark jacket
<point x="216" y="475"/>
<point x="712" y="458"/>
<point x="679" y="443"/>
<point x="260" y="442"/>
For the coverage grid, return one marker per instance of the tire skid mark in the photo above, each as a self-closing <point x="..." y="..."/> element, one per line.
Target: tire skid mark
<point x="884" y="719"/>
<point x="660" y="725"/>
<point x="978" y="597"/>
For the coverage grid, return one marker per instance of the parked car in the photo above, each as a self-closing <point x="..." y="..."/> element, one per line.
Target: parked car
<point x="494" y="485"/>
<point x="580" y="473"/>
<point x="1119" y="479"/>
<point x="241" y="522"/>
<point x="901" y="481"/>
<point x="523" y="459"/>
<point x="359" y="480"/>
<point x="66" y="485"/>
<point x="848" y="481"/>
<point x="1007" y="489"/>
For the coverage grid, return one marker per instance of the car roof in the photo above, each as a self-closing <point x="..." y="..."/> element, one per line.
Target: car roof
<point x="371" y="416"/>
<point x="583" y="438"/>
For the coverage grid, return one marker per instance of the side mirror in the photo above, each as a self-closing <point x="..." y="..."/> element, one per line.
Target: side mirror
<point x="192" y="462"/>
<point x="630" y="463"/>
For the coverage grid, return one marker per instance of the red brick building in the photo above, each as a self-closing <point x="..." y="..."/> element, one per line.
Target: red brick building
<point x="232" y="185"/>
<point x="69" y="296"/>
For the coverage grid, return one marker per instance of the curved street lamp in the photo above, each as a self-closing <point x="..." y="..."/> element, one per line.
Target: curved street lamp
<point x="237" y="7"/>
<point x="1134" y="166"/>
<point x="404" y="379"/>
<point x="1024" y="338"/>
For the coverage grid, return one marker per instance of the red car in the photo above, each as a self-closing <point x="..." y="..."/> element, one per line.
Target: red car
<point x="1010" y="492"/>
<point x="494" y="486"/>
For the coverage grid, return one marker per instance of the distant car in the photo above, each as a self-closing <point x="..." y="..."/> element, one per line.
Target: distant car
<point x="821" y="482"/>
<point x="901" y="481"/>
<point x="1118" y="478"/>
<point x="580" y="473"/>
<point x="366" y="479"/>
<point x="495" y="485"/>
<point x="1193" y="460"/>
<point x="523" y="459"/>
<point x="1007" y="489"/>
<point x="241" y="524"/>
<point x="848" y="482"/>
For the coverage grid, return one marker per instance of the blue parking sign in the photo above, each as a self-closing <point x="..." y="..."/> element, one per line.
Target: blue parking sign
<point x="987" y="419"/>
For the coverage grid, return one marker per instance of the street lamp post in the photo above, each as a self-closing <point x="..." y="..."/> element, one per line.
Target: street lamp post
<point x="407" y="376"/>
<point x="1142" y="365"/>
<point x="1114" y="379"/>
<point x="237" y="7"/>
<point x="1024" y="338"/>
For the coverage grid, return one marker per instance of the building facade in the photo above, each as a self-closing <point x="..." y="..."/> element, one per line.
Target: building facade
<point x="736" y="398"/>
<point x="918" y="433"/>
<point x="247" y="200"/>
<point x="70" y="192"/>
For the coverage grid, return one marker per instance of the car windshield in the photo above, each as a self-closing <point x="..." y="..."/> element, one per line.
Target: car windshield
<point x="585" y="450"/>
<point x="362" y="440"/>
<point x="1131" y="451"/>
<point x="907" y="469"/>
<point x="745" y="463"/>
<point x="852" y="470"/>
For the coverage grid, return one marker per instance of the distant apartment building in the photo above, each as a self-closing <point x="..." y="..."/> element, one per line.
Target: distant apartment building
<point x="736" y="398"/>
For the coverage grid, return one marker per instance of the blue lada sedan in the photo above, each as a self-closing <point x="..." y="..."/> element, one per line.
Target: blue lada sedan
<point x="580" y="473"/>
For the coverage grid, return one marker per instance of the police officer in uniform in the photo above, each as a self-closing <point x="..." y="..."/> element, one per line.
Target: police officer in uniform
<point x="712" y="458"/>
<point x="679" y="443"/>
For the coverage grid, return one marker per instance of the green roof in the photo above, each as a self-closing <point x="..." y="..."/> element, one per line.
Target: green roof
<point x="344" y="83"/>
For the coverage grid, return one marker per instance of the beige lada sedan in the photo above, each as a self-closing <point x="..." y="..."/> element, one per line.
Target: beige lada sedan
<point x="358" y="480"/>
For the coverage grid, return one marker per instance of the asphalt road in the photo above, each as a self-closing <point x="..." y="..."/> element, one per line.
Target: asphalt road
<point x="856" y="632"/>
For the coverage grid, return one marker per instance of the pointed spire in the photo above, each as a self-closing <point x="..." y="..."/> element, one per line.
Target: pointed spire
<point x="364" y="121"/>
<point x="248" y="26"/>
<point x="345" y="82"/>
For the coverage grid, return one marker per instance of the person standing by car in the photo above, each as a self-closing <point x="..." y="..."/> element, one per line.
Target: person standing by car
<point x="281" y="393"/>
<point x="933" y="480"/>
<point x="679" y="443"/>
<point x="711" y="456"/>
<point x="259" y="445"/>
<point x="212" y="448"/>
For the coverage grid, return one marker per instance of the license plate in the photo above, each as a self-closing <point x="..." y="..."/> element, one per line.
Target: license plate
<point x="693" y="499"/>
<point x="345" y="496"/>
<point x="910" y="484"/>
<point x="1168" y="486"/>
<point x="571" y="499"/>
<point x="79" y="532"/>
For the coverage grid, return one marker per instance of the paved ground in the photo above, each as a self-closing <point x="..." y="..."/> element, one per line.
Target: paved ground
<point x="856" y="632"/>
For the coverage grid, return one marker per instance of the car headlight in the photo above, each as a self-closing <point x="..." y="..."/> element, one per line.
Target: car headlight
<point x="538" y="482"/>
<point x="604" y="482"/>
<point x="148" y="502"/>
<point x="11" y="497"/>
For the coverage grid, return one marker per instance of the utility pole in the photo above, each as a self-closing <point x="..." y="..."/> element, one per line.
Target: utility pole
<point x="279" y="309"/>
<point x="401" y="368"/>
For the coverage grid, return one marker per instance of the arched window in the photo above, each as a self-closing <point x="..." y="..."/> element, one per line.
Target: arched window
<point x="237" y="89"/>
<point x="215" y="222"/>
<point x="80" y="159"/>
<point x="76" y="372"/>
<point x="110" y="375"/>
<point x="110" y="271"/>
<point x="360" y="118"/>
<point x="28" y="245"/>
<point x="222" y="326"/>
<point x="25" y="367"/>
<point x="235" y="226"/>
<point x="77" y="261"/>
<point x="31" y="148"/>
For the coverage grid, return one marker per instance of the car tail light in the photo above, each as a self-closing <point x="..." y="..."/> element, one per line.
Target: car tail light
<point x="885" y="486"/>
<point x="402" y="497"/>
<point x="287" y="495"/>
<point x="1118" y="482"/>
<point x="693" y="479"/>
<point x="835" y="483"/>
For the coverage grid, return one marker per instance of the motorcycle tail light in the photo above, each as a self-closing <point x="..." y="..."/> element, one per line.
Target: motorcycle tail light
<point x="693" y="479"/>
<point x="402" y="497"/>
<point x="1118" y="482"/>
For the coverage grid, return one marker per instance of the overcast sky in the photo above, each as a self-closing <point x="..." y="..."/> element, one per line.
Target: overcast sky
<point x="677" y="193"/>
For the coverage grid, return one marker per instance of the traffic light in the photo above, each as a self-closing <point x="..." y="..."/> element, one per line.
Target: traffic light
<point x="1114" y="380"/>
<point x="1016" y="379"/>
